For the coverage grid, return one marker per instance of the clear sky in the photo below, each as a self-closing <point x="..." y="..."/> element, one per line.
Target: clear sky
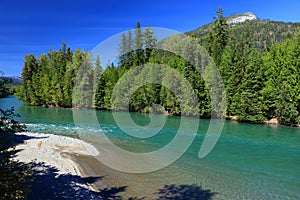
<point x="32" y="26"/>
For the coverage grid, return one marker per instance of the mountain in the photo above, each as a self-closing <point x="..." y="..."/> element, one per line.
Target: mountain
<point x="13" y="80"/>
<point x="263" y="33"/>
<point x="237" y="19"/>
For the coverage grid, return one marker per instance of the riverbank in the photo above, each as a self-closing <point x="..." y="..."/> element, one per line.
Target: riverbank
<point x="55" y="172"/>
<point x="68" y="168"/>
<point x="272" y="121"/>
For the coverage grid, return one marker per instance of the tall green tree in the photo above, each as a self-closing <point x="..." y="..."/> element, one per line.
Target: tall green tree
<point x="29" y="69"/>
<point x="3" y="89"/>
<point x="249" y="100"/>
<point x="129" y="41"/>
<point x="97" y="76"/>
<point x="72" y="70"/>
<point x="83" y="87"/>
<point x="233" y="66"/>
<point x="218" y="37"/>
<point x="138" y="39"/>
<point x="149" y="42"/>
<point x="138" y="45"/>
<point x="123" y="46"/>
<point x="97" y="70"/>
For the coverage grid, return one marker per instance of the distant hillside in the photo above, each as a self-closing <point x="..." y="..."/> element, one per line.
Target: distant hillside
<point x="12" y="81"/>
<point x="263" y="33"/>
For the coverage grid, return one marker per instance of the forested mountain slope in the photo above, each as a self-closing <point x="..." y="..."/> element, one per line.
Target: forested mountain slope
<point x="263" y="33"/>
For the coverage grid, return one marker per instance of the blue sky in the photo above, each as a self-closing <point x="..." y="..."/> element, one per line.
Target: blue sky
<point x="36" y="26"/>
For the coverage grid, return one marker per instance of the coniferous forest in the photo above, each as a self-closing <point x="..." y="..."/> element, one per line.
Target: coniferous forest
<point x="262" y="79"/>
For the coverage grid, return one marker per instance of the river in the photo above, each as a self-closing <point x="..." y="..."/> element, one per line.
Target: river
<point x="249" y="161"/>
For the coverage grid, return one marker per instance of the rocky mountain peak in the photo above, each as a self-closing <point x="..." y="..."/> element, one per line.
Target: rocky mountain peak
<point x="236" y="19"/>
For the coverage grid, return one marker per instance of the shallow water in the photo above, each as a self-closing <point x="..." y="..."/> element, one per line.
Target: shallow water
<point x="248" y="162"/>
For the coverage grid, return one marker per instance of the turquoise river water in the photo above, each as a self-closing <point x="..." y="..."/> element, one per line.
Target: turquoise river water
<point x="248" y="162"/>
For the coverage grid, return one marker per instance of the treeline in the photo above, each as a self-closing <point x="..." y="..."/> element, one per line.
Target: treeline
<point x="145" y="82"/>
<point x="50" y="79"/>
<point x="4" y="89"/>
<point x="259" y="85"/>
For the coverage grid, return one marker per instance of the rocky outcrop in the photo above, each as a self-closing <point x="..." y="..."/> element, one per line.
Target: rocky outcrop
<point x="272" y="121"/>
<point x="236" y="19"/>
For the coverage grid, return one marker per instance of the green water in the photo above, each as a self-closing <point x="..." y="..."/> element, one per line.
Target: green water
<point x="248" y="162"/>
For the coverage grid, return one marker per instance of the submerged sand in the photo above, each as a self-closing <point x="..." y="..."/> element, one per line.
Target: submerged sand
<point x="73" y="158"/>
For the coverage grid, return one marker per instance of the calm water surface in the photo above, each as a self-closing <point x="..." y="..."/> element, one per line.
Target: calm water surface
<point x="248" y="162"/>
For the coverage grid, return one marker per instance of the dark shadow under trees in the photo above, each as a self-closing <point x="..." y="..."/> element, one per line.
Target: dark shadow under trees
<point x="183" y="192"/>
<point x="50" y="184"/>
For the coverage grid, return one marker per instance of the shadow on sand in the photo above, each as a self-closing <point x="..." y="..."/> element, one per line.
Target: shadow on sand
<point x="49" y="184"/>
<point x="182" y="192"/>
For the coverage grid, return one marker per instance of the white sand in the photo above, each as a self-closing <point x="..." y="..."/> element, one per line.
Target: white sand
<point x="50" y="149"/>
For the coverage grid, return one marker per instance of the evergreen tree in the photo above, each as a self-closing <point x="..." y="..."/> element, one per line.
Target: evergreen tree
<point x="97" y="71"/>
<point x="251" y="105"/>
<point x="3" y="89"/>
<point x="83" y="88"/>
<point x="233" y="65"/>
<point x="138" y="39"/>
<point x="30" y="67"/>
<point x="149" y="42"/>
<point x="97" y="75"/>
<point x="72" y="71"/>
<point x="138" y="46"/>
<point x="129" y="42"/>
<point x="218" y="37"/>
<point x="63" y="49"/>
<point x="123" y="46"/>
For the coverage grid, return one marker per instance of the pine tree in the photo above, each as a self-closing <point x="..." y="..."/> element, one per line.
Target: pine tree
<point x="30" y="67"/>
<point x="138" y="39"/>
<point x="251" y="106"/>
<point x="129" y="42"/>
<point x="83" y="88"/>
<point x="138" y="46"/>
<point x="218" y="37"/>
<point x="149" y="42"/>
<point x="97" y="75"/>
<point x="3" y="89"/>
<point x="72" y="71"/>
<point x="63" y="49"/>
<point x="170" y="92"/>
<point x="123" y="46"/>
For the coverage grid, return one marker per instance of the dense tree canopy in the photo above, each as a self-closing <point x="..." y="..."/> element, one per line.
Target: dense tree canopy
<point x="259" y="84"/>
<point x="3" y="88"/>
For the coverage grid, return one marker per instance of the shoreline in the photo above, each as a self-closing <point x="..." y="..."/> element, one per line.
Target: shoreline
<point x="76" y="159"/>
<point x="51" y="149"/>
<point x="272" y="121"/>
<point x="56" y="155"/>
<point x="71" y="159"/>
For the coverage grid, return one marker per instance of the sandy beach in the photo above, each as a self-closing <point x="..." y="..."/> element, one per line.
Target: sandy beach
<point x="74" y="159"/>
<point x="54" y="167"/>
<point x="68" y="168"/>
<point x="52" y="150"/>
